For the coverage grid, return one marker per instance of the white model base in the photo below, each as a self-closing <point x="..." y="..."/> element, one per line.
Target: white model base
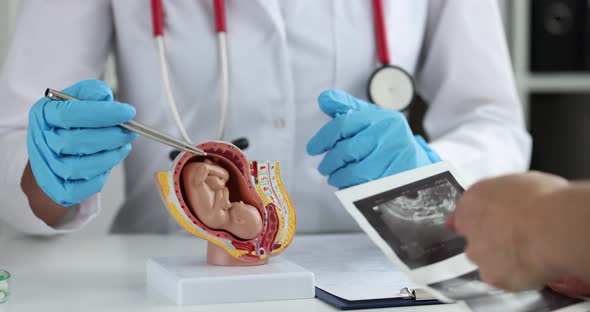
<point x="189" y="281"/>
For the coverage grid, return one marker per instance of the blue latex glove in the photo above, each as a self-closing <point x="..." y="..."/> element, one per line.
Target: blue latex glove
<point x="365" y="142"/>
<point x="73" y="145"/>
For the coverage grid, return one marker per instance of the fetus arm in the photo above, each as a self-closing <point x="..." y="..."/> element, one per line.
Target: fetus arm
<point x="206" y="172"/>
<point x="216" y="177"/>
<point x="200" y="175"/>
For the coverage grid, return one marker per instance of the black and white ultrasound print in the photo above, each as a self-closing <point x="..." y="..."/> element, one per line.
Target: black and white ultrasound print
<point x="544" y="300"/>
<point x="412" y="219"/>
<point x="481" y="297"/>
<point x="466" y="286"/>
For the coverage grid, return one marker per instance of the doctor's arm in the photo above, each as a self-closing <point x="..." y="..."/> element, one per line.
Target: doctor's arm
<point x="474" y="119"/>
<point x="54" y="45"/>
<point x="42" y="206"/>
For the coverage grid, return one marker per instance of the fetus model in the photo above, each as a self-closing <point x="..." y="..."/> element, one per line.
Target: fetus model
<point x="240" y="207"/>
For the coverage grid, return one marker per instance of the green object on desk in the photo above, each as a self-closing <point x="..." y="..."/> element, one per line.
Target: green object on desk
<point x="4" y="285"/>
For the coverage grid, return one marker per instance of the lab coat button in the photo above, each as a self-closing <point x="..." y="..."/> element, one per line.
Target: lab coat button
<point x="279" y="123"/>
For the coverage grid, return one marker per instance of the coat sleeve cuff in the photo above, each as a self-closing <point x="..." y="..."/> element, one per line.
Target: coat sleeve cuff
<point x="24" y="220"/>
<point x="475" y="162"/>
<point x="432" y="155"/>
<point x="15" y="210"/>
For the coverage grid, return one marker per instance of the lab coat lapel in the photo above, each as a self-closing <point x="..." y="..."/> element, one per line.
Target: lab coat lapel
<point x="286" y="110"/>
<point x="271" y="7"/>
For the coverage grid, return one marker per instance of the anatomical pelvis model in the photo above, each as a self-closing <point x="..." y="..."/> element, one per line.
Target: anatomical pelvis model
<point x="240" y="207"/>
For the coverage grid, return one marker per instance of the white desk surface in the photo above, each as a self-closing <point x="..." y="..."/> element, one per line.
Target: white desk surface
<point x="107" y="274"/>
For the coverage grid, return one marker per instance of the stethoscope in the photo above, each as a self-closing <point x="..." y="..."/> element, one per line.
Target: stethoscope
<point x="220" y="28"/>
<point x="389" y="86"/>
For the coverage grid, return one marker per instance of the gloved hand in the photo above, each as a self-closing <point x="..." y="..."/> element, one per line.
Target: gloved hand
<point x="365" y="142"/>
<point x="73" y="145"/>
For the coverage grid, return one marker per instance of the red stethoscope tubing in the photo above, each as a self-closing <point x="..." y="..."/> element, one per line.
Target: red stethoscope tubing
<point x="381" y="33"/>
<point x="389" y="86"/>
<point x="221" y="24"/>
<point x="158" y="17"/>
<point x="219" y="9"/>
<point x="385" y="74"/>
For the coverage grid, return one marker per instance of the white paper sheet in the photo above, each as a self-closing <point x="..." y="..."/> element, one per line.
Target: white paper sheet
<point x="349" y="266"/>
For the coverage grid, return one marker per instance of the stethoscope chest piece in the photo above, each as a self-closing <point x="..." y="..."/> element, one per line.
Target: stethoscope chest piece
<point x="391" y="87"/>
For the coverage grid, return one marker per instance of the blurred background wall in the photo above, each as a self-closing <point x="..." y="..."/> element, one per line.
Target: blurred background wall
<point x="550" y="47"/>
<point x="551" y="54"/>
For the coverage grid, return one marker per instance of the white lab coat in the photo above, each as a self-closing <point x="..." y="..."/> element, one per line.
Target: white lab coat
<point x="282" y="54"/>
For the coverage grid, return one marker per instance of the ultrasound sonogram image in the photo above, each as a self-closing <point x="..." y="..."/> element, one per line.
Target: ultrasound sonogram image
<point x="412" y="219"/>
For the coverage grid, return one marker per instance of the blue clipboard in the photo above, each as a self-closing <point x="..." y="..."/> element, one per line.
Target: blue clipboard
<point x="344" y="304"/>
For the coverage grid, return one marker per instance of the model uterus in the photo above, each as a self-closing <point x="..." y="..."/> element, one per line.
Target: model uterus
<point x="240" y="207"/>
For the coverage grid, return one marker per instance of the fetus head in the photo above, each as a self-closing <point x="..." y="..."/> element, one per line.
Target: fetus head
<point x="205" y="189"/>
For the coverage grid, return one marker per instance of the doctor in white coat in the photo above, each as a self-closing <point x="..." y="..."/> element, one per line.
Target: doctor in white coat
<point x="55" y="156"/>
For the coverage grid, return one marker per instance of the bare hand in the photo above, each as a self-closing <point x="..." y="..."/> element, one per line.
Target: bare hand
<point x="498" y="219"/>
